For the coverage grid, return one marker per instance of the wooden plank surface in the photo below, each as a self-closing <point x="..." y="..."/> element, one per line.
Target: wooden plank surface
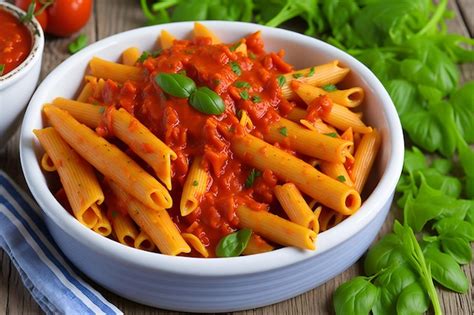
<point x="113" y="16"/>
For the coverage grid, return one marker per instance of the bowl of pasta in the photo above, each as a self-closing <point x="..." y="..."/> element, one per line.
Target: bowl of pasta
<point x="212" y="167"/>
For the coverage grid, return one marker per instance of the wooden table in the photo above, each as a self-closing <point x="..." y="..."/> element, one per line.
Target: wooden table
<point x="114" y="16"/>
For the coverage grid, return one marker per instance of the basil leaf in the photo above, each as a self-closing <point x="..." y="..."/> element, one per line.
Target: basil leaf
<point x="458" y="248"/>
<point x="233" y="244"/>
<point x="2" y="68"/>
<point x="463" y="109"/>
<point x="176" y="84"/>
<point x="412" y="300"/>
<point x="79" y="43"/>
<point x="391" y="283"/>
<point x="145" y="54"/>
<point x="329" y="87"/>
<point x="190" y="10"/>
<point x="414" y="160"/>
<point x="446" y="271"/>
<point x="449" y="185"/>
<point x="443" y="166"/>
<point x="207" y="101"/>
<point x="424" y="129"/>
<point x="281" y="80"/>
<point x="455" y="227"/>
<point x="356" y="297"/>
<point x="387" y="252"/>
<point x="403" y="94"/>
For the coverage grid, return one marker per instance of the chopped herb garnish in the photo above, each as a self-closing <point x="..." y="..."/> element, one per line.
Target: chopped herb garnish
<point x="281" y="80"/>
<point x="252" y="55"/>
<point x="341" y="178"/>
<point x="156" y="53"/>
<point x="235" y="67"/>
<point x="195" y="183"/>
<point x="79" y="43"/>
<point x="101" y="110"/>
<point x="235" y="46"/>
<point x="311" y="72"/>
<point x="251" y="178"/>
<point x="242" y="84"/>
<point x="96" y="103"/>
<point x="297" y="75"/>
<point x="239" y="113"/>
<point x="256" y="99"/>
<point x="283" y="131"/>
<point x="329" y="87"/>
<point x="331" y="134"/>
<point x="145" y="54"/>
<point x="244" y="95"/>
<point x="2" y="68"/>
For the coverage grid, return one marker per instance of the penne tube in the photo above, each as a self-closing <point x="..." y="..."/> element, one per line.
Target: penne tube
<point x="144" y="242"/>
<point x="196" y="243"/>
<point x="201" y="31"/>
<point x="130" y="56"/>
<point x="114" y="71"/>
<point x="337" y="171"/>
<point x="329" y="73"/>
<point x="349" y="136"/>
<point x="156" y="223"/>
<point x="103" y="226"/>
<point x="257" y="245"/>
<point x="128" y="129"/>
<point x="364" y="158"/>
<point x="329" y="218"/>
<point x="194" y="187"/>
<point x="109" y="160"/>
<point x="309" y="180"/>
<point x="87" y="114"/>
<point x="296" y="114"/>
<point x="294" y="205"/>
<point x="319" y="126"/>
<point x="76" y="175"/>
<point x="47" y="164"/>
<point x="276" y="229"/>
<point x="242" y="48"/>
<point x="166" y="39"/>
<point x="86" y="92"/>
<point x="352" y="97"/>
<point x="308" y="142"/>
<point x="124" y="228"/>
<point x="245" y="120"/>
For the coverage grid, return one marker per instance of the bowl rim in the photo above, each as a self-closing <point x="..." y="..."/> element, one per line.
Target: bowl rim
<point x="36" y="51"/>
<point x="235" y="266"/>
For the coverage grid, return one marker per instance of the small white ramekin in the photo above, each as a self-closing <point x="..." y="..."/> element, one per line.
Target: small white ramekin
<point x="220" y="284"/>
<point x="17" y="86"/>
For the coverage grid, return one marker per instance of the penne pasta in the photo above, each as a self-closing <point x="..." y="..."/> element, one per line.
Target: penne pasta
<point x="86" y="92"/>
<point x="87" y="114"/>
<point x="47" y="164"/>
<point x="124" y="228"/>
<point x="201" y="31"/>
<point x="364" y="158"/>
<point x="294" y="205"/>
<point x="130" y="56"/>
<point x="196" y="243"/>
<point x="326" y="190"/>
<point x="329" y="73"/>
<point x="194" y="187"/>
<point x="352" y="97"/>
<point x="155" y="222"/>
<point x="114" y="71"/>
<point x="98" y="152"/>
<point x="103" y="226"/>
<point x="77" y="177"/>
<point x="257" y="245"/>
<point x="337" y="171"/>
<point x="144" y="242"/>
<point x="276" y="229"/>
<point x="166" y="39"/>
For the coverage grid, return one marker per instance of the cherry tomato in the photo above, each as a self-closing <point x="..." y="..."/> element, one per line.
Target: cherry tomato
<point x="61" y="17"/>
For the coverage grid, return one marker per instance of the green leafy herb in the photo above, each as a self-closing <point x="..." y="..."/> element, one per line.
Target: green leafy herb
<point x="297" y="75"/>
<point x="195" y="183"/>
<point x="331" y="134"/>
<point x="242" y="84"/>
<point x="79" y="43"/>
<point x="2" y="68"/>
<point x="281" y="80"/>
<point x="283" y="131"/>
<point x="311" y="72"/>
<point x="244" y="95"/>
<point x="356" y="296"/>
<point x="235" y="46"/>
<point x="176" y="84"/>
<point x="235" y="67"/>
<point x="207" y="101"/>
<point x="251" y="177"/>
<point x="256" y="99"/>
<point x="252" y="55"/>
<point x="412" y="300"/>
<point x="341" y="178"/>
<point x="329" y="87"/>
<point x="144" y="56"/>
<point x="233" y="244"/>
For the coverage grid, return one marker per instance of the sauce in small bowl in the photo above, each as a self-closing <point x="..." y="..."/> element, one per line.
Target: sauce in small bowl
<point x="15" y="42"/>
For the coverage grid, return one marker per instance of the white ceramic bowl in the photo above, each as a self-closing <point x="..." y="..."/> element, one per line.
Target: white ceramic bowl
<point x="221" y="284"/>
<point x="17" y="86"/>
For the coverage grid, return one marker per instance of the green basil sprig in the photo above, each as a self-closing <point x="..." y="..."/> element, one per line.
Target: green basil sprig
<point x="233" y="244"/>
<point x="207" y="101"/>
<point x="176" y="84"/>
<point x="202" y="99"/>
<point x="356" y="296"/>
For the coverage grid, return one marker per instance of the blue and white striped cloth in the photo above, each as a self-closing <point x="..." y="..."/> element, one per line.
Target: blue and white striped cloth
<point x="45" y="272"/>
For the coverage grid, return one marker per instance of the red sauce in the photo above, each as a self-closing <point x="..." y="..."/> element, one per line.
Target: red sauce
<point x="15" y="41"/>
<point x="190" y="133"/>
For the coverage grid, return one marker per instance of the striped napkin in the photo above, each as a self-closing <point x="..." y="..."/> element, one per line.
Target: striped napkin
<point x="45" y="272"/>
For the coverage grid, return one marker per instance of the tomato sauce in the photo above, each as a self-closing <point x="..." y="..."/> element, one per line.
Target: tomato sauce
<point x="191" y="133"/>
<point x="15" y="41"/>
